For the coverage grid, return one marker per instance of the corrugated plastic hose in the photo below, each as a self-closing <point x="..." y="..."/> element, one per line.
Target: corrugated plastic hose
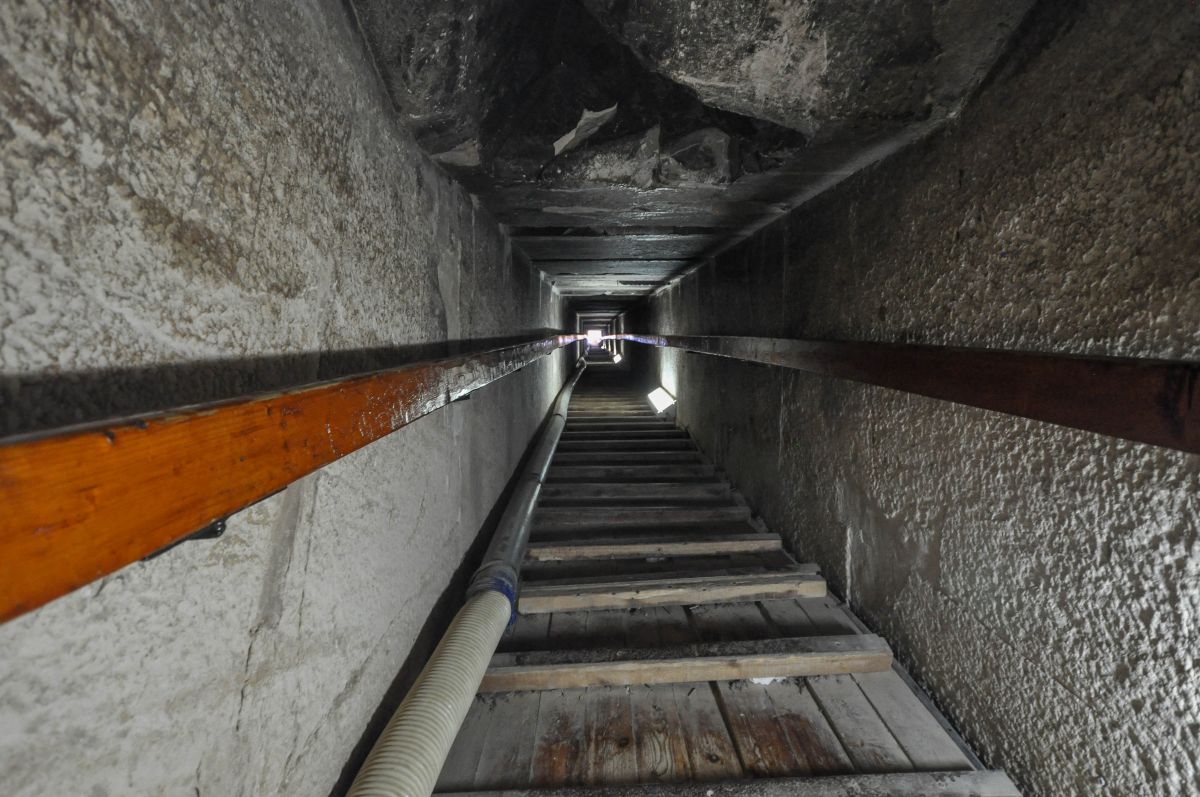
<point x="409" y="755"/>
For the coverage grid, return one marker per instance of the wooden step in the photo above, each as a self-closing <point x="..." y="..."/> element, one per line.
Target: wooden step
<point x="633" y="533"/>
<point x="628" y="444"/>
<point x="713" y="661"/>
<point x="604" y="491"/>
<point x="609" y="430"/>
<point x="983" y="783"/>
<point x="619" y="403"/>
<point x="561" y="518"/>
<point x="633" y="423"/>
<point x="744" y="564"/>
<point x="579" y="571"/>
<point x="624" y="457"/>
<point x="674" y="592"/>
<point x="600" y="435"/>
<point x="684" y="472"/>
<point x="658" y="545"/>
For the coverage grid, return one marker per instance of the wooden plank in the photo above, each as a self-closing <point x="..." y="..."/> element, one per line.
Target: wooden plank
<point x="587" y="435"/>
<point x="528" y="632"/>
<point x="568" y="630"/>
<point x="697" y="720"/>
<point x="566" y="517"/>
<point x="636" y="400"/>
<point x="611" y="752"/>
<point x="922" y="738"/>
<point x="709" y="589"/>
<point x="458" y="772"/>
<point x="659" y="545"/>
<point x="601" y="572"/>
<point x="827" y="615"/>
<point x="869" y="743"/>
<point x="817" y="748"/>
<point x="655" y="423"/>
<point x="507" y="758"/>
<point x="605" y="629"/>
<point x="789" y="619"/>
<point x="698" y="530"/>
<point x="711" y="751"/>
<point x="712" y="661"/>
<point x="674" y="627"/>
<point x="625" y="457"/>
<point x="82" y="503"/>
<point x="616" y="399"/>
<point x="559" y="750"/>
<point x="730" y="622"/>
<point x="902" y="784"/>
<point x="641" y="627"/>
<point x="761" y="742"/>
<point x="661" y="746"/>
<point x="605" y="491"/>
<point x="1143" y="399"/>
<point x="629" y="444"/>
<point x="562" y="473"/>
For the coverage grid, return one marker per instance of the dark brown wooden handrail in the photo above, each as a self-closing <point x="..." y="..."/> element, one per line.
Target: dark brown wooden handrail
<point x="1148" y="401"/>
<point x="81" y="503"/>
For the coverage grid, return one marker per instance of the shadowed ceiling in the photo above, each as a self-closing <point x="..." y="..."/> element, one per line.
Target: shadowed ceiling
<point x="622" y="141"/>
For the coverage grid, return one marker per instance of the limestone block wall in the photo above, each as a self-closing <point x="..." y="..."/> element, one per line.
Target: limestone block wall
<point x="200" y="200"/>
<point x="1043" y="583"/>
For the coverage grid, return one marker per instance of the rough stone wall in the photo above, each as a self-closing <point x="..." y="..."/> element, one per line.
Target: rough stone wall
<point x="1044" y="583"/>
<point x="201" y="199"/>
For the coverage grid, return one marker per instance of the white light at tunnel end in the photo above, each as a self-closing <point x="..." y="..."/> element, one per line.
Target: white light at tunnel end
<point x="594" y="336"/>
<point x="661" y="399"/>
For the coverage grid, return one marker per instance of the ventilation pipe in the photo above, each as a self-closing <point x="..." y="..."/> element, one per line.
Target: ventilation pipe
<point x="410" y="753"/>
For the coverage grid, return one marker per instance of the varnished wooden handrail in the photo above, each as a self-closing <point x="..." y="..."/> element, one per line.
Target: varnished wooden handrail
<point x="79" y="504"/>
<point x="1145" y="400"/>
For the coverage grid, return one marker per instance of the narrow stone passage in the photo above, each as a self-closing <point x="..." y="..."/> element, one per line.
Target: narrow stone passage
<point x="666" y="637"/>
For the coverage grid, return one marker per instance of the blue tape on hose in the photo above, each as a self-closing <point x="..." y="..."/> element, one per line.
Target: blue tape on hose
<point x="509" y="590"/>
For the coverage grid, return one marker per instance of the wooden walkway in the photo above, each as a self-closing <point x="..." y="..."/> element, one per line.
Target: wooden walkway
<point x="667" y="644"/>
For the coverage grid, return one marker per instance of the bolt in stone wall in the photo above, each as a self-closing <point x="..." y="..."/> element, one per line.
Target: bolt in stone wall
<point x="200" y="200"/>
<point x="1044" y="583"/>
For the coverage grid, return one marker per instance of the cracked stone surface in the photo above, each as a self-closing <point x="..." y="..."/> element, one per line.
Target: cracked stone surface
<point x="182" y="221"/>
<point x="1042" y="583"/>
<point x="819" y="67"/>
<point x="711" y="97"/>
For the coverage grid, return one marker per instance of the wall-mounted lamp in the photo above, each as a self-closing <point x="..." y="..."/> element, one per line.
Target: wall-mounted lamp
<point x="661" y="399"/>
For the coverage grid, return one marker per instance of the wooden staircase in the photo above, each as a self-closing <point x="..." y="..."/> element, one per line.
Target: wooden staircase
<point x="668" y="644"/>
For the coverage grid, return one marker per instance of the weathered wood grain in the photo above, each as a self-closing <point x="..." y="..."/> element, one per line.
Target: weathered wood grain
<point x="685" y="591"/>
<point x="905" y="784"/>
<point x="764" y="658"/>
